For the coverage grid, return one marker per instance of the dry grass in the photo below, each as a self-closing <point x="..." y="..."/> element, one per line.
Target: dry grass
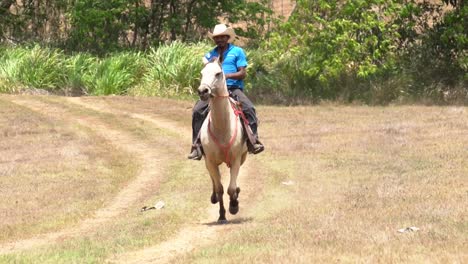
<point x="48" y="171"/>
<point x="132" y="229"/>
<point x="359" y="174"/>
<point x="177" y="111"/>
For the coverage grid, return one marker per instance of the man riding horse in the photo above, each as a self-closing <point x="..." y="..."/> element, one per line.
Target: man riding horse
<point x="234" y="63"/>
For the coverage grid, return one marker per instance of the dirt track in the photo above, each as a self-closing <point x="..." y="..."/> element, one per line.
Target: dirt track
<point x="337" y="183"/>
<point x="153" y="163"/>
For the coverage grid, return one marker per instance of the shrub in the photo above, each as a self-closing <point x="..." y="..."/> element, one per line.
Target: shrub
<point x="173" y="70"/>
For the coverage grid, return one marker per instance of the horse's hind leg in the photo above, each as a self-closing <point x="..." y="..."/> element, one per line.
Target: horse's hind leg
<point x="233" y="190"/>
<point x="218" y="191"/>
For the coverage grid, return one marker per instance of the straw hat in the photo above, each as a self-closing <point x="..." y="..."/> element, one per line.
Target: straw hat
<point x="223" y="30"/>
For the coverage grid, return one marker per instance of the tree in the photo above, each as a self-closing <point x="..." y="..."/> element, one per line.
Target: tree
<point x="101" y="26"/>
<point x="326" y="41"/>
<point x="439" y="63"/>
<point x="6" y="18"/>
<point x="97" y="25"/>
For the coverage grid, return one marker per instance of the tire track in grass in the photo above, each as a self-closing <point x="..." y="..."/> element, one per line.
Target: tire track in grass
<point x="194" y="235"/>
<point x="153" y="166"/>
<point x="189" y="237"/>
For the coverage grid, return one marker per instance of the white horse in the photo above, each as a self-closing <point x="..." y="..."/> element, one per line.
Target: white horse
<point x="222" y="136"/>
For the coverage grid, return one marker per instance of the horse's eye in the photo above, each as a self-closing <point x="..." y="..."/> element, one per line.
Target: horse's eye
<point x="218" y="74"/>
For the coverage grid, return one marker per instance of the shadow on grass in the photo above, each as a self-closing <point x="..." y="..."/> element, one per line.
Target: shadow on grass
<point x="236" y="221"/>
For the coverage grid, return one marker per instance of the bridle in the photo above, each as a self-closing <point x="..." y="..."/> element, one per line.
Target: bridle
<point x="211" y="85"/>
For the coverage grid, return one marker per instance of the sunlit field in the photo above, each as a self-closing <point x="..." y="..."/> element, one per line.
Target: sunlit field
<point x="335" y="184"/>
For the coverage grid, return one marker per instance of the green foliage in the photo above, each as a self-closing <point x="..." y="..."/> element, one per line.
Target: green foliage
<point x="9" y="60"/>
<point x="370" y="51"/>
<point x="328" y="42"/>
<point x="266" y="82"/>
<point x="39" y="68"/>
<point x="115" y="74"/>
<point x="439" y="63"/>
<point x="32" y="20"/>
<point x="256" y="17"/>
<point x="80" y="73"/>
<point x="36" y="67"/>
<point x="374" y="51"/>
<point x="173" y="70"/>
<point x="97" y="25"/>
<point x="100" y="27"/>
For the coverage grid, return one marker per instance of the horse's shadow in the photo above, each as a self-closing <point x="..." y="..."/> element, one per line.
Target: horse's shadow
<point x="236" y="221"/>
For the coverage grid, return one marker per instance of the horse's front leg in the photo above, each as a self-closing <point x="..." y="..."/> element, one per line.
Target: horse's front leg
<point x="214" y="196"/>
<point x="233" y="190"/>
<point x="218" y="190"/>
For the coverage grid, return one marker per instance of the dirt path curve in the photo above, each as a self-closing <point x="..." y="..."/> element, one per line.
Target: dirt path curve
<point x="151" y="159"/>
<point x="161" y="122"/>
<point x="191" y="236"/>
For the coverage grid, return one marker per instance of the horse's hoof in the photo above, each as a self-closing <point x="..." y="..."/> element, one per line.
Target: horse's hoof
<point x="214" y="198"/>
<point x="222" y="221"/>
<point x="233" y="210"/>
<point x="233" y="207"/>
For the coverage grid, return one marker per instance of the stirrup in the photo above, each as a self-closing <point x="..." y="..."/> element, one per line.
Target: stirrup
<point x="255" y="148"/>
<point x="196" y="153"/>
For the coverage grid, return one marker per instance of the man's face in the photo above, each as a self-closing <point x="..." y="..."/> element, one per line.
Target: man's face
<point x="221" y="41"/>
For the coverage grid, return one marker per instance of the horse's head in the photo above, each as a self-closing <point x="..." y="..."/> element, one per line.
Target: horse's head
<point x="212" y="82"/>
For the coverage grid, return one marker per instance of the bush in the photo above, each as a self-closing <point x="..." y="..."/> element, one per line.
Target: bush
<point x="114" y="74"/>
<point x="35" y="67"/>
<point x="438" y="66"/>
<point x="173" y="70"/>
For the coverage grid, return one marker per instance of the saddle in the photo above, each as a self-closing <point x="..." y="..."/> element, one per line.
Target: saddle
<point x="197" y="151"/>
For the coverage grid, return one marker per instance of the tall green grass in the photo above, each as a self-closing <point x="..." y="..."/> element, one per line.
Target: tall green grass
<point x="9" y="69"/>
<point x="35" y="67"/>
<point x="80" y="68"/>
<point x="169" y="71"/>
<point x="173" y="70"/>
<point x="115" y="74"/>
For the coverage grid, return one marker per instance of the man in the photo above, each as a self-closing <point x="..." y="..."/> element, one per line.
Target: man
<point x="234" y="62"/>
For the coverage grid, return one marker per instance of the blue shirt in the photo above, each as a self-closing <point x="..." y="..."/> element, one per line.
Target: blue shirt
<point x="234" y="57"/>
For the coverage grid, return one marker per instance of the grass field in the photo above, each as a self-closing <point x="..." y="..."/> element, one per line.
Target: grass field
<point x="335" y="184"/>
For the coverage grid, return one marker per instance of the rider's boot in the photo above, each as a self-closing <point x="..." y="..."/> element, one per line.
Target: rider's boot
<point x="196" y="152"/>
<point x="257" y="146"/>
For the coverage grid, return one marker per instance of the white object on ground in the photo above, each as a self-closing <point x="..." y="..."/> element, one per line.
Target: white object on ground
<point x="408" y="229"/>
<point x="288" y="182"/>
<point x="159" y="205"/>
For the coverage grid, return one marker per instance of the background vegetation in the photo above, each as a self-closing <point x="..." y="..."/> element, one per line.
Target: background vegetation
<point x="374" y="52"/>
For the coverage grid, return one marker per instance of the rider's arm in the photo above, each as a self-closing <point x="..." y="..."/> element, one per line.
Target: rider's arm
<point x="239" y="75"/>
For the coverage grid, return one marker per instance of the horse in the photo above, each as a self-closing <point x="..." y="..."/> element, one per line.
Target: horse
<point x="222" y="136"/>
